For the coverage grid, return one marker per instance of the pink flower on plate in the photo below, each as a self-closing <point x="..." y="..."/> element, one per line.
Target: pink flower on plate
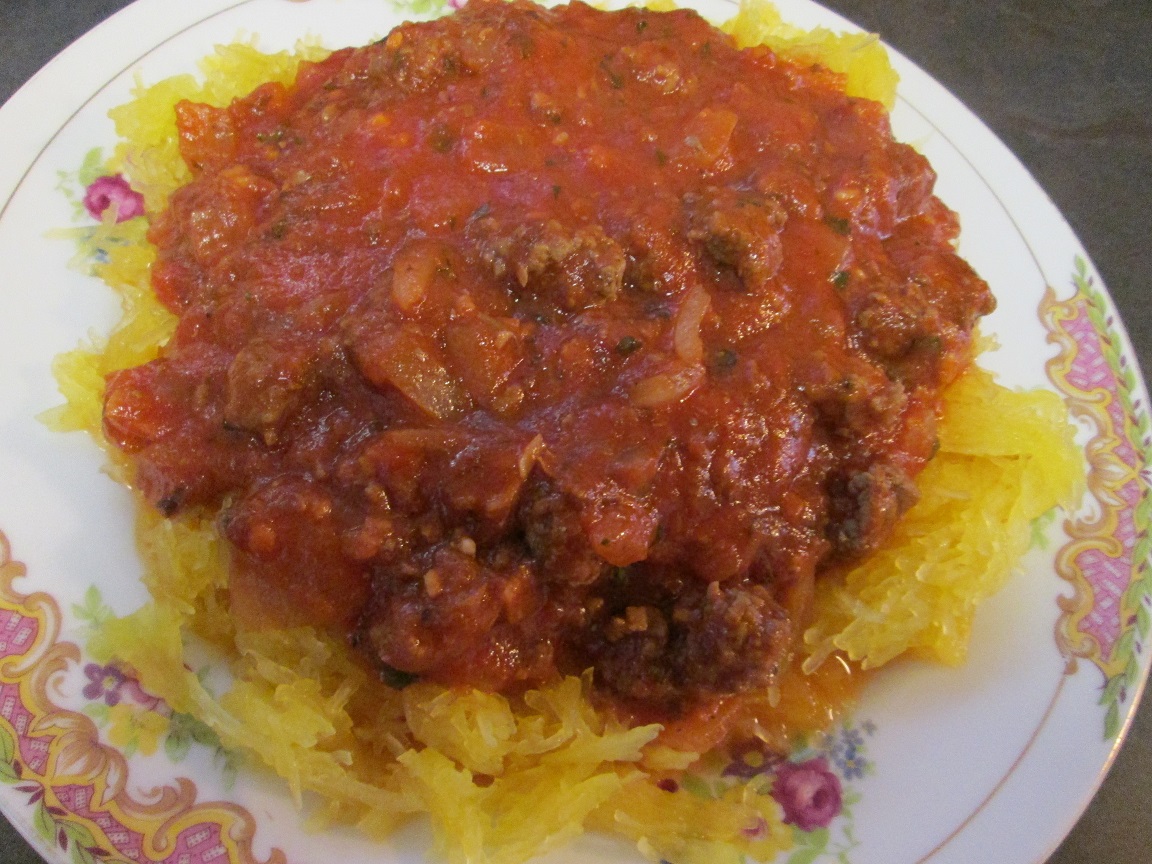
<point x="809" y="793"/>
<point x="110" y="190"/>
<point x="110" y="684"/>
<point x="104" y="682"/>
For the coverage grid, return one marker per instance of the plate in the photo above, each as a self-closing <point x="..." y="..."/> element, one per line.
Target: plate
<point x="989" y="762"/>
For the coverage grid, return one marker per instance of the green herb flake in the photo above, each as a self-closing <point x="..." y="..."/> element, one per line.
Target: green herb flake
<point x="724" y="360"/>
<point x="614" y="78"/>
<point x="839" y="225"/>
<point x="441" y="140"/>
<point x="397" y="679"/>
<point x="628" y="345"/>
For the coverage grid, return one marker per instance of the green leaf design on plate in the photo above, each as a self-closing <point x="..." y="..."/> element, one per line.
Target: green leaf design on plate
<point x="93" y="612"/>
<point x="696" y="786"/>
<point x="92" y="168"/>
<point x="44" y="824"/>
<point x="177" y="743"/>
<point x="1137" y="429"/>
<point x="98" y="711"/>
<point x="7" y="746"/>
<point x="806" y="855"/>
<point x="423" y="8"/>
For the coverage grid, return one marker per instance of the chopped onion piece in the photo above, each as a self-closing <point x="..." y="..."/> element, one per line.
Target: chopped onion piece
<point x="686" y="337"/>
<point x="666" y="387"/>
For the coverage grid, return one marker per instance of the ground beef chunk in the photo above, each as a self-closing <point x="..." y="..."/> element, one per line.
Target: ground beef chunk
<point x="554" y="537"/>
<point x="865" y="506"/>
<point x="740" y="229"/>
<point x="709" y="641"/>
<point x="572" y="268"/>
<point x="459" y="617"/>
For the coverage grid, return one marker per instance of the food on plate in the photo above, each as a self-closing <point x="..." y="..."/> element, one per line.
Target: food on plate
<point x="526" y="342"/>
<point x="533" y="400"/>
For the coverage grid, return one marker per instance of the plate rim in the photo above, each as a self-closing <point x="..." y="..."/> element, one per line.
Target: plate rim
<point x="156" y="13"/>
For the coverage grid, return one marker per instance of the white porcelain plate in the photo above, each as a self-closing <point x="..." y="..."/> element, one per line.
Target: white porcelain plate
<point x="990" y="762"/>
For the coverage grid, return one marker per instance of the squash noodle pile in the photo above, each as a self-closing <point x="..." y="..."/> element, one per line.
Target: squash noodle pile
<point x="507" y="779"/>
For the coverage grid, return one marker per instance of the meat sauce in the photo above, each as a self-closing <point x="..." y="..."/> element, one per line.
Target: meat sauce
<point x="526" y="341"/>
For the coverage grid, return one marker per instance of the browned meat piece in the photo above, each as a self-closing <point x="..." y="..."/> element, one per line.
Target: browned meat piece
<point x="740" y="229"/>
<point x="708" y="641"/>
<point x="457" y="617"/>
<point x="550" y="525"/>
<point x="865" y="506"/>
<point x="574" y="268"/>
<point x="266" y="381"/>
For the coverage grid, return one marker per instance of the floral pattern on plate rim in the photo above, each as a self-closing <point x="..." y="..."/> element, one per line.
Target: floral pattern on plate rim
<point x="1107" y="619"/>
<point x="76" y="785"/>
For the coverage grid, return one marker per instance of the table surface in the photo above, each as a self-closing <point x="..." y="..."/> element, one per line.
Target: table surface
<point x="1066" y="84"/>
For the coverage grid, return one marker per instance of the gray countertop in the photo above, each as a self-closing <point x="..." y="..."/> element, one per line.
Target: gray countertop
<point x="1066" y="84"/>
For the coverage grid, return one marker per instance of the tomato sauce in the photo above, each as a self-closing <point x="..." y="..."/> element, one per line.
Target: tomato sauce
<point x="526" y="341"/>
